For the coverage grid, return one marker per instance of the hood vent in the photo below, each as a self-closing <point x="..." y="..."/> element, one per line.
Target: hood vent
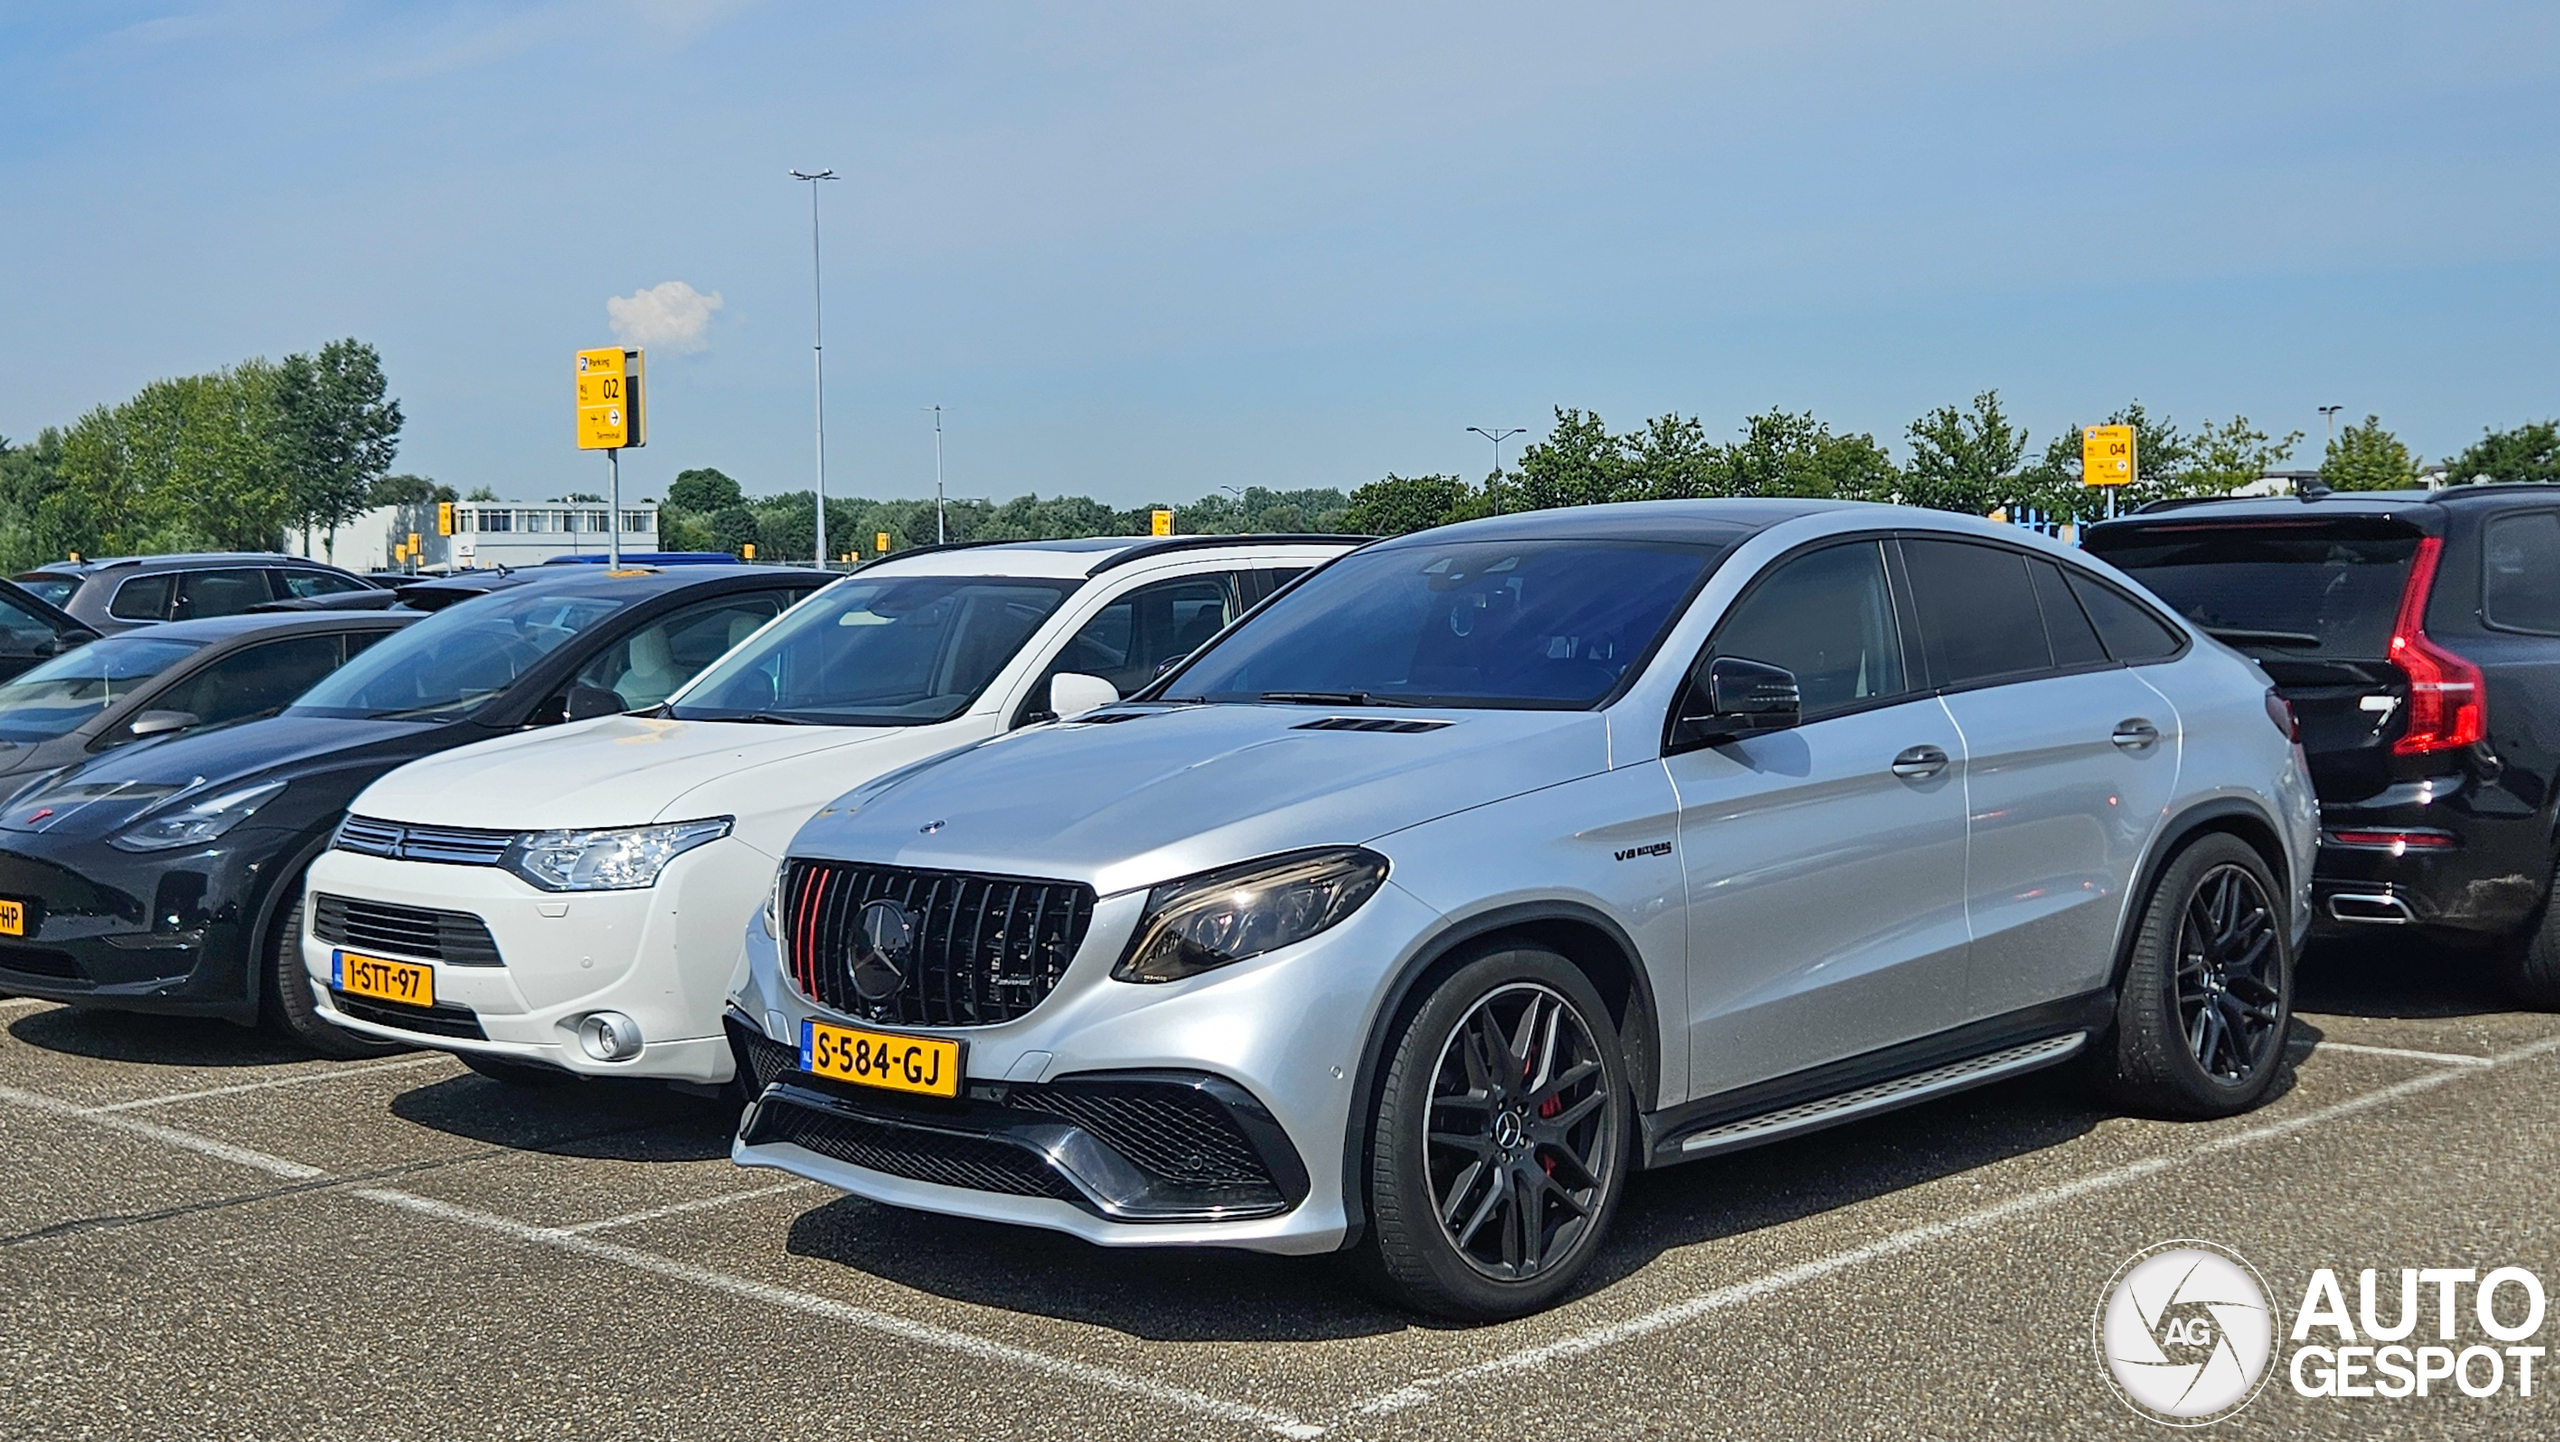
<point x="1368" y="723"/>
<point x="1105" y="718"/>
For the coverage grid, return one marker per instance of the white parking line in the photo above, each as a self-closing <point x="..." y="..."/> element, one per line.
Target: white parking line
<point x="2442" y="1058"/>
<point x="680" y="1208"/>
<point x="297" y="1079"/>
<point x="923" y="1333"/>
<point x="1424" y="1389"/>
<point x="166" y="1136"/>
<point x="573" y="1240"/>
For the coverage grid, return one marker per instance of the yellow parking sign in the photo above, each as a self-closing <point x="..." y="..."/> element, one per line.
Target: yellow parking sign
<point x="609" y="412"/>
<point x="2106" y="456"/>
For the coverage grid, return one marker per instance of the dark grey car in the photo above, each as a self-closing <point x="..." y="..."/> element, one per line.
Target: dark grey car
<point x="166" y="679"/>
<point x="118" y="593"/>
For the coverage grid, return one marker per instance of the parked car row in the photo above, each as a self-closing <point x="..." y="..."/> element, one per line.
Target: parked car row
<point x="1304" y="895"/>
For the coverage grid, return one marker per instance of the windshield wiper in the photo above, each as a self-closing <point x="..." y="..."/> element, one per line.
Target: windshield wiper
<point x="762" y="718"/>
<point x="1329" y="698"/>
<point x="2243" y="636"/>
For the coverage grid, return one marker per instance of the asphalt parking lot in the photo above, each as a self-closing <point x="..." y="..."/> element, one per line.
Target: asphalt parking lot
<point x="208" y="1237"/>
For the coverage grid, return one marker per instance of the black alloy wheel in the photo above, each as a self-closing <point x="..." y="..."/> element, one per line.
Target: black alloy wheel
<point x="2227" y="945"/>
<point x="1501" y="1140"/>
<point x="2207" y="995"/>
<point x="1520" y="1131"/>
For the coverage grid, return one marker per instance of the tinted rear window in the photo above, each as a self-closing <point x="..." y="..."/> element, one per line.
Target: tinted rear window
<point x="53" y="590"/>
<point x="2308" y="590"/>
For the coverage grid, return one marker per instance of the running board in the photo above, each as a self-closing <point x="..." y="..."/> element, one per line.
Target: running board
<point x="1881" y="1097"/>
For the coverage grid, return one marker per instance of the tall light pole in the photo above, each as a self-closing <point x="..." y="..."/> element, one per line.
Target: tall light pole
<point x="1497" y="437"/>
<point x="939" y="536"/>
<point x="818" y="358"/>
<point x="2330" y="415"/>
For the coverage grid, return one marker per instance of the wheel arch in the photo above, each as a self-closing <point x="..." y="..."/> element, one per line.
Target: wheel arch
<point x="2226" y="815"/>
<point x="1582" y="934"/>
<point x="296" y="860"/>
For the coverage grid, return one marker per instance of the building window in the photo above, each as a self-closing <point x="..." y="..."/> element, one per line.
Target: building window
<point x="641" y="521"/>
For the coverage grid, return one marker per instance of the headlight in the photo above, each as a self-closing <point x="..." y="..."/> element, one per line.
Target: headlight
<point x="622" y="859"/>
<point x="197" y="821"/>
<point x="773" y="904"/>
<point x="1220" y="917"/>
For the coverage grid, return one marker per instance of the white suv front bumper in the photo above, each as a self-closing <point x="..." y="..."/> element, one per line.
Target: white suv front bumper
<point x="664" y="956"/>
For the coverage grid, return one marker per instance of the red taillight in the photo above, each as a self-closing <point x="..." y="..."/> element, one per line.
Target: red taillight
<point x="2448" y="707"/>
<point x="2393" y="841"/>
<point x="2280" y="711"/>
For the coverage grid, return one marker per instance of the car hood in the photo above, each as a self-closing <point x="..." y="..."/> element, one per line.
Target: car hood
<point x="113" y="788"/>
<point x="632" y="770"/>
<point x="1136" y="802"/>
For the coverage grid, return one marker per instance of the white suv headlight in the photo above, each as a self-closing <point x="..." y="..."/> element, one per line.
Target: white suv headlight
<point x="1221" y="917"/>
<point x="197" y="821"/>
<point x="624" y="858"/>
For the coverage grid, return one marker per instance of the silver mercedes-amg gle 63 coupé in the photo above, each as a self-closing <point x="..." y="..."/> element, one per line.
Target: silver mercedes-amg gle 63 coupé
<point x="1483" y="866"/>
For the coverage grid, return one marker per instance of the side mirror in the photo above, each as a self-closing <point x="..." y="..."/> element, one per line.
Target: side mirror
<point x="1744" y="697"/>
<point x="1071" y="694"/>
<point x="66" y="642"/>
<point x="585" y="703"/>
<point x="160" y="723"/>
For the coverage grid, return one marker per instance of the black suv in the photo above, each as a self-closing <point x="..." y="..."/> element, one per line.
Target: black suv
<point x="2417" y="636"/>
<point x="119" y="593"/>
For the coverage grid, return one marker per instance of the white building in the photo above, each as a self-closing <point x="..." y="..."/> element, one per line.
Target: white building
<point x="485" y="534"/>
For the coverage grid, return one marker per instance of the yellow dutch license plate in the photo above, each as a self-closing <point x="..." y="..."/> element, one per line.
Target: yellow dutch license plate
<point x="13" y="918"/>
<point x="404" y="982"/>
<point x="926" y="1065"/>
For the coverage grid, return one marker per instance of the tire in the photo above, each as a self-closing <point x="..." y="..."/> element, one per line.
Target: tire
<point x="2207" y="999"/>
<point x="1447" y="1077"/>
<point x="514" y="1073"/>
<point x="286" y="1001"/>
<point x="2530" y="964"/>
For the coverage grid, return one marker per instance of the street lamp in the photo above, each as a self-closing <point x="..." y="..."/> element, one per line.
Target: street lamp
<point x="1497" y="437"/>
<point x="938" y="472"/>
<point x="2330" y="415"/>
<point x="818" y="359"/>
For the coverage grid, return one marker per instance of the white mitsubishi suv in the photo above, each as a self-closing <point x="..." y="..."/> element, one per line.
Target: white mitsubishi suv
<point x="576" y="895"/>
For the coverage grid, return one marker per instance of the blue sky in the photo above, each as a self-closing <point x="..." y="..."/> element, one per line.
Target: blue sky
<point x="1142" y="251"/>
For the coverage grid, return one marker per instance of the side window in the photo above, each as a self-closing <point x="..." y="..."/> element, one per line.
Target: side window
<point x="142" y="598"/>
<point x="647" y="666"/>
<point x="2520" y="584"/>
<point x="22" y="631"/>
<point x="1828" y="617"/>
<point x="1978" y="612"/>
<point x="2075" y="641"/>
<point x="219" y="593"/>
<point x="1273" y="578"/>
<point x="254" y="681"/>
<point x="318" y="583"/>
<point x="2131" y="632"/>
<point x="1130" y="641"/>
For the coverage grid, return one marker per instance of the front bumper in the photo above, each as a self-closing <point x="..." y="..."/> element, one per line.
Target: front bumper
<point x="665" y="956"/>
<point x="1274" y="1042"/>
<point x="137" y="931"/>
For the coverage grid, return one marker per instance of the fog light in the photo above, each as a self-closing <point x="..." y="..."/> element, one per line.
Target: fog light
<point x="609" y="1036"/>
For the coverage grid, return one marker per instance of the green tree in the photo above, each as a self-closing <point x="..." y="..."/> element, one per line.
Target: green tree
<point x="1578" y="463"/>
<point x="407" y="491"/>
<point x="2223" y="458"/>
<point x="733" y="528"/>
<point x="704" y="490"/>
<point x="1784" y="454"/>
<point x="37" y="519"/>
<point x="2529" y="452"/>
<point x="2368" y="458"/>
<point x="1965" y="460"/>
<point x="482" y="493"/>
<point x="1396" y="505"/>
<point x="336" y="431"/>
<point x="1671" y="459"/>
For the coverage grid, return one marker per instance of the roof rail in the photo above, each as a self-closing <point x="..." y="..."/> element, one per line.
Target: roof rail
<point x="2476" y="488"/>
<point x="1158" y="545"/>
<point x="937" y="546"/>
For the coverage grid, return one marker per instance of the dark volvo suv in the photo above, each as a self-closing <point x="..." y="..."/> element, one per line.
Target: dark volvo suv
<point x="2417" y="636"/>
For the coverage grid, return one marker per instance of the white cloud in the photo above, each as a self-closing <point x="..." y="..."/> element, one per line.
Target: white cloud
<point x="672" y="317"/>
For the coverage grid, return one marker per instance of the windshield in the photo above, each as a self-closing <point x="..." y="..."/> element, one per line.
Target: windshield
<point x="53" y="590"/>
<point x="896" y="651"/>
<point x="2310" y="590"/>
<point x="455" y="659"/>
<point x="1536" y="624"/>
<point x="51" y="699"/>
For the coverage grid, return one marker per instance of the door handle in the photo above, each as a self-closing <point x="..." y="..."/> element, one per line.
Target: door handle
<point x="1919" y="763"/>
<point x="2135" y="733"/>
